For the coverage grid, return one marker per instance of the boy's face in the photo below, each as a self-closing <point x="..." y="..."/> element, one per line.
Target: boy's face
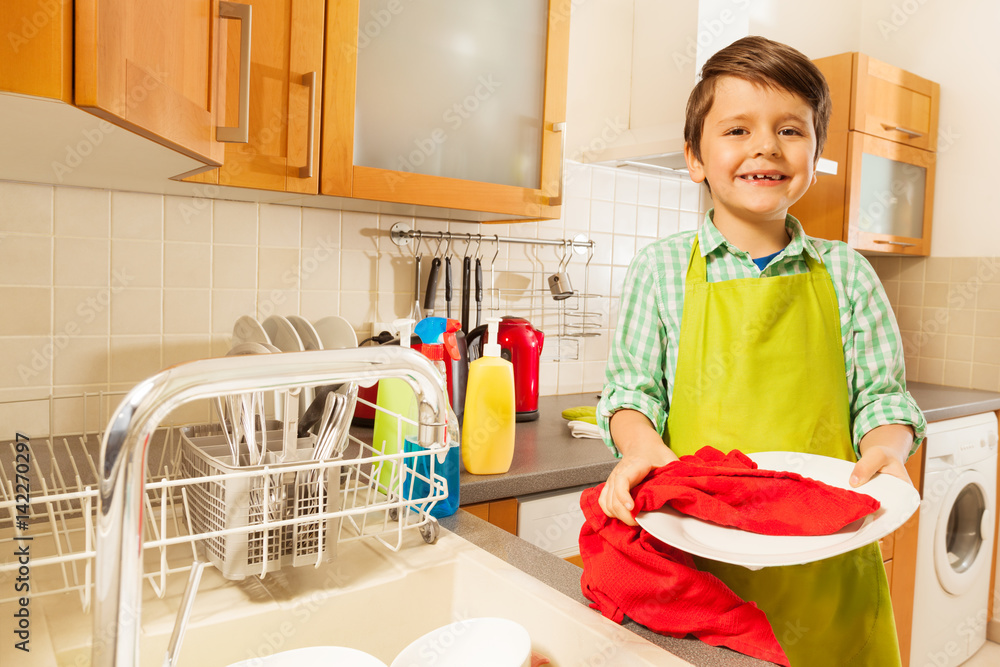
<point x="757" y="151"/>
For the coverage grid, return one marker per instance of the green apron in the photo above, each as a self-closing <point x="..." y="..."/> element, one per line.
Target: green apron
<point x="761" y="368"/>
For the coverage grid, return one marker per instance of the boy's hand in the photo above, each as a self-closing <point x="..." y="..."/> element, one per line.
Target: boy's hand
<point x="642" y="451"/>
<point x="883" y="449"/>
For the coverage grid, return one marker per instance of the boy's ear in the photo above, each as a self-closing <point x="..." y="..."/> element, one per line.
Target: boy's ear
<point x="695" y="168"/>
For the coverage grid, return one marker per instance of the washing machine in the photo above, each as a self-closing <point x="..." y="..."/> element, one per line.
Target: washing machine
<point x="955" y="541"/>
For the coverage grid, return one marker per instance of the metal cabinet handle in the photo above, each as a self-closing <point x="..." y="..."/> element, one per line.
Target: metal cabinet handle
<point x="913" y="134"/>
<point x="561" y="129"/>
<point x="901" y="244"/>
<point x="241" y="133"/>
<point x="310" y="80"/>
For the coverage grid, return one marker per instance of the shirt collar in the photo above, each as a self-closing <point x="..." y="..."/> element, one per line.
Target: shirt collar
<point x="711" y="239"/>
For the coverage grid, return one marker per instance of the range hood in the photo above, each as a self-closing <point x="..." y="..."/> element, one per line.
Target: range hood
<point x="658" y="52"/>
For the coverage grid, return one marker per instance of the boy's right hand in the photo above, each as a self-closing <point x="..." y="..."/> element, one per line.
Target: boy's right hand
<point x="642" y="452"/>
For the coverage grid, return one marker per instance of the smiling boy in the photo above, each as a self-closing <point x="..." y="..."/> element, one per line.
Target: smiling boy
<point x="749" y="335"/>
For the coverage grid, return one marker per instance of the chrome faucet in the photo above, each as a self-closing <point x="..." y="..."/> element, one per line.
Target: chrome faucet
<point x="118" y="577"/>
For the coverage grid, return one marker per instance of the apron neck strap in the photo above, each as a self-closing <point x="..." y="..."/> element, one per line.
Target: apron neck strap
<point x="696" y="271"/>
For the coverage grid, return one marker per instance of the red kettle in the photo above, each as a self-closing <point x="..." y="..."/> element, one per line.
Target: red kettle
<point x="520" y="344"/>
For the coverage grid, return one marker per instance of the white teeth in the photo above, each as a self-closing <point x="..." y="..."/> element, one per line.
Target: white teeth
<point x="757" y="177"/>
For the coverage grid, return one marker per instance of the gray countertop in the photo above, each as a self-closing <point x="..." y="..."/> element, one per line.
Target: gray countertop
<point x="939" y="402"/>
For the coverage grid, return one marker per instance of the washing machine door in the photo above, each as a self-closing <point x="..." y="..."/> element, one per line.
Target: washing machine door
<point x="963" y="536"/>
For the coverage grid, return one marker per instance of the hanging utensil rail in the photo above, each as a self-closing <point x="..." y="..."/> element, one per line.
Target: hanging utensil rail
<point x="401" y="234"/>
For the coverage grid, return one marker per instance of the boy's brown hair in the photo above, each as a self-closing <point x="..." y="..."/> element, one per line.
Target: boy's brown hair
<point x="766" y="63"/>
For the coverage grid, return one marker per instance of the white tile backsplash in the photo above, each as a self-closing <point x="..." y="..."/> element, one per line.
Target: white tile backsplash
<point x="104" y="288"/>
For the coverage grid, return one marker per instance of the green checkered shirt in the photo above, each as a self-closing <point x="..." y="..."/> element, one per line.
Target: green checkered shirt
<point x="643" y="356"/>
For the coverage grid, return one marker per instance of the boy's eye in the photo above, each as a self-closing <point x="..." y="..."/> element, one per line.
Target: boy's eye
<point x="790" y="132"/>
<point x="736" y="131"/>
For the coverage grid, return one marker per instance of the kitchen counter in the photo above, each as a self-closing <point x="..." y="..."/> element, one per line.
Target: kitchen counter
<point x="546" y="456"/>
<point x="939" y="402"/>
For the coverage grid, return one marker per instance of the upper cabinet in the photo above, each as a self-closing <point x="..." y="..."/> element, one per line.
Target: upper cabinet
<point x="36" y="56"/>
<point x="151" y="67"/>
<point x="883" y="134"/>
<point x="450" y="104"/>
<point x="280" y="99"/>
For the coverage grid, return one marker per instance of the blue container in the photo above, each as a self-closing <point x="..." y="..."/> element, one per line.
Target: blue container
<point x="415" y="487"/>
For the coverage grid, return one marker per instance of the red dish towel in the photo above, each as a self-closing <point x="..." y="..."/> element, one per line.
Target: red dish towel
<point x="626" y="571"/>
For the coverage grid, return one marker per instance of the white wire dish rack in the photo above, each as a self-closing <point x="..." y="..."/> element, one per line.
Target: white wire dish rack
<point x="246" y="520"/>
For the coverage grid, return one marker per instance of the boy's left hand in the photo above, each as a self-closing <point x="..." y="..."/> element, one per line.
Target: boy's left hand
<point x="883" y="449"/>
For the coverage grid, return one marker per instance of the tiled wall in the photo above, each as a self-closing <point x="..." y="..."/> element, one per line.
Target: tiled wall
<point x="948" y="310"/>
<point x="101" y="289"/>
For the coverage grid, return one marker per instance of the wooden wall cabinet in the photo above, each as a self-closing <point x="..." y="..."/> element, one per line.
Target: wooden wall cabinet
<point x="286" y="75"/>
<point x="883" y="135"/>
<point x="341" y="177"/>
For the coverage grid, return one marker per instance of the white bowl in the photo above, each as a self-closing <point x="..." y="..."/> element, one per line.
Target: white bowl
<point x="315" y="656"/>
<point x="483" y="642"/>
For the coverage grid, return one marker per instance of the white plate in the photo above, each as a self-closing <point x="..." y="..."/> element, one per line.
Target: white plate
<point x="315" y="656"/>
<point x="248" y="330"/>
<point x="483" y="642"/>
<point x="899" y="501"/>
<point x="282" y="334"/>
<point x="336" y="333"/>
<point x="310" y="339"/>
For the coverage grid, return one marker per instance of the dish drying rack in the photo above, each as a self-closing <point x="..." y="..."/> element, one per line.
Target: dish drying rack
<point x="573" y="318"/>
<point x="197" y="507"/>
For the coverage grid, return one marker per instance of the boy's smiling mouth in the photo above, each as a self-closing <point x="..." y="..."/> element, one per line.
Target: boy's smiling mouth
<point x="763" y="177"/>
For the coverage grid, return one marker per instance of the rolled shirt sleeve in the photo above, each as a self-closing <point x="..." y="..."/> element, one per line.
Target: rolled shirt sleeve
<point x="878" y="384"/>
<point x="636" y="361"/>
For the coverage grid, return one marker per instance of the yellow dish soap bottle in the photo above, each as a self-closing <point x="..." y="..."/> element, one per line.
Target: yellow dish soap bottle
<point x="488" y="427"/>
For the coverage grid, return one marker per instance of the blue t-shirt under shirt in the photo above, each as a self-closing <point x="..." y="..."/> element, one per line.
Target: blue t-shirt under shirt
<point x="762" y="262"/>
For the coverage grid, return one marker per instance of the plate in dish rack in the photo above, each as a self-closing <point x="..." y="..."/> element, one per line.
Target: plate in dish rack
<point x="315" y="656"/>
<point x="898" y="499"/>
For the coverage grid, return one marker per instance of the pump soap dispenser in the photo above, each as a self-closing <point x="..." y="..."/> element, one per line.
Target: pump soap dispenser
<point x="488" y="430"/>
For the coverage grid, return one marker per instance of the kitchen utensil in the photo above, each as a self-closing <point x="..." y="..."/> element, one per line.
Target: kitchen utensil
<point x="479" y="291"/>
<point x="415" y="313"/>
<point x="483" y="642"/>
<point x="283" y="334"/>
<point x="559" y="282"/>
<point x="447" y="285"/>
<point x="247" y="329"/>
<point x="466" y="284"/>
<point x="521" y="344"/>
<point x="314" y="656"/>
<point x="307" y="332"/>
<point x="751" y="550"/>
<point x="335" y="333"/>
<point x="432" y="281"/>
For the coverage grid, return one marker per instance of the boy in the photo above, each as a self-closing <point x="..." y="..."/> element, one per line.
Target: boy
<point x="748" y="334"/>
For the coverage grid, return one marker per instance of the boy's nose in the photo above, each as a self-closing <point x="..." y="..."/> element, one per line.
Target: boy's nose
<point x="766" y="145"/>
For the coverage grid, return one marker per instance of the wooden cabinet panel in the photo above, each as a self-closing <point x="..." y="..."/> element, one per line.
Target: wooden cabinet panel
<point x="341" y="177"/>
<point x="285" y="78"/>
<point x="896" y="105"/>
<point x="150" y="67"/>
<point x="36" y="52"/>
<point x="500" y="513"/>
<point x="872" y="104"/>
<point x="904" y="564"/>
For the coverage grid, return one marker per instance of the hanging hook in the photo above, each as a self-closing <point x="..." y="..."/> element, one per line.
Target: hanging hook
<point x="479" y="246"/>
<point x="416" y="243"/>
<point x="437" y="248"/>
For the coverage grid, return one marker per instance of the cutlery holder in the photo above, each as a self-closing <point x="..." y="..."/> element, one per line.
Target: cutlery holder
<point x="272" y="494"/>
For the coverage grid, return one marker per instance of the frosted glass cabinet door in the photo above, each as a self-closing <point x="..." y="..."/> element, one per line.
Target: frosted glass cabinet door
<point x="452" y="88"/>
<point x="891" y="196"/>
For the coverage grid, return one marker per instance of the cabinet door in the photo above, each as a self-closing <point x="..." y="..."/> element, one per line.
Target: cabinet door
<point x="890" y="196"/>
<point x="423" y="108"/>
<point x="150" y="66"/>
<point x="286" y="59"/>
<point x="896" y="105"/>
<point x="36" y="53"/>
